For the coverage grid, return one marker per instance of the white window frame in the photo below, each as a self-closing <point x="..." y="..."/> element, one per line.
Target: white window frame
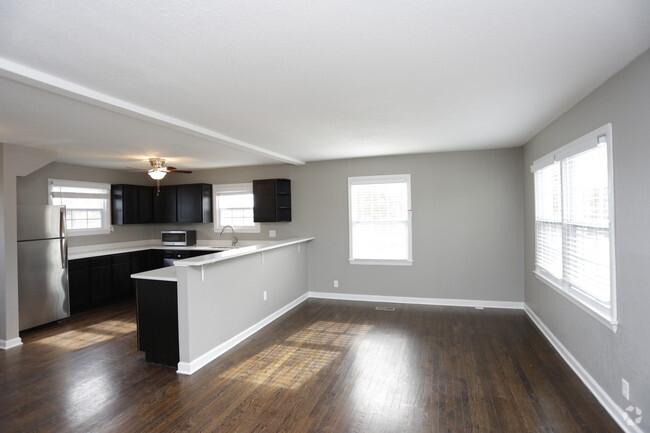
<point x="607" y="316"/>
<point x="394" y="178"/>
<point x="106" y="212"/>
<point x="232" y="188"/>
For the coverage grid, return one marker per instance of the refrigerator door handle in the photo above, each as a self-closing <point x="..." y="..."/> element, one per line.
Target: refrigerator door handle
<point x="62" y="222"/>
<point x="63" y="244"/>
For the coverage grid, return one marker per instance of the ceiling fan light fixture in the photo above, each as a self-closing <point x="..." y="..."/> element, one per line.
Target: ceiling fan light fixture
<point x="156" y="174"/>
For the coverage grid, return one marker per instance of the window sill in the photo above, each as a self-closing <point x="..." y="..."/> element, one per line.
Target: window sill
<point x="611" y="324"/>
<point x="381" y="262"/>
<point x="241" y="230"/>
<point x="74" y="233"/>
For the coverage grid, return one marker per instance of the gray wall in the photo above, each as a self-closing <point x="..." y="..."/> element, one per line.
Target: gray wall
<point x="467" y="223"/>
<point x="467" y="220"/>
<point x="32" y="189"/>
<point x="624" y="100"/>
<point x="14" y="161"/>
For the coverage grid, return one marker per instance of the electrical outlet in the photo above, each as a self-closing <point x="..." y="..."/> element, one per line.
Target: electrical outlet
<point x="271" y="233"/>
<point x="266" y="295"/>
<point x="625" y="389"/>
<point x="336" y="283"/>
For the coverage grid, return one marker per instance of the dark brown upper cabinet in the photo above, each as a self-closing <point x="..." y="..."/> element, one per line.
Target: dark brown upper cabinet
<point x="194" y="203"/>
<point x="164" y="204"/>
<point x="131" y="204"/>
<point x="272" y="200"/>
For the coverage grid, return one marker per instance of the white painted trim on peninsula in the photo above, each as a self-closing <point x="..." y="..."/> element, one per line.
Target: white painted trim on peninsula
<point x="419" y="301"/>
<point x="10" y="344"/>
<point x="191" y="367"/>
<point x="51" y="83"/>
<point x="605" y="400"/>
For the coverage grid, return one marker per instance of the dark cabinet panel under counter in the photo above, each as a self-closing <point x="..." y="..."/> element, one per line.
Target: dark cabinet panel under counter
<point x="79" y="276"/>
<point x="157" y="320"/>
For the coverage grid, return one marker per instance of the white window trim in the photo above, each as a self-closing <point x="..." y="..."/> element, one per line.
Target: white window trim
<point x="232" y="188"/>
<point x="606" y="316"/>
<point x="107" y="229"/>
<point x="384" y="179"/>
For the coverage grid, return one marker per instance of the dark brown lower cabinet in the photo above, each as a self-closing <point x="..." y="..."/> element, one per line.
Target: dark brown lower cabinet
<point x="121" y="275"/>
<point x="157" y="318"/>
<point x="140" y="262"/>
<point x="79" y="277"/>
<point x="100" y="279"/>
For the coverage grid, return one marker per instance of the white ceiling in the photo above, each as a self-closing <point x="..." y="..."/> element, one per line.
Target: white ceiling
<point x="241" y="82"/>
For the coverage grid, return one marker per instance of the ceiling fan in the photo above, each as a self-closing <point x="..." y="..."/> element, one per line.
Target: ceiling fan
<point x="159" y="171"/>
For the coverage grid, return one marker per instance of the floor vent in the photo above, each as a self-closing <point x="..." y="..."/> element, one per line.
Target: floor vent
<point x="385" y="308"/>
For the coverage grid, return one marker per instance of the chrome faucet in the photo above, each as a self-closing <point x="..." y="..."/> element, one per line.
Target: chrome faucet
<point x="234" y="238"/>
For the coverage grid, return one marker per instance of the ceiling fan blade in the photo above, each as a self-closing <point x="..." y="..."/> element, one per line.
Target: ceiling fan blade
<point x="179" y="171"/>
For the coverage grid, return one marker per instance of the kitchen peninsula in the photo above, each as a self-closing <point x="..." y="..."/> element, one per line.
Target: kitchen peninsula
<point x="220" y="299"/>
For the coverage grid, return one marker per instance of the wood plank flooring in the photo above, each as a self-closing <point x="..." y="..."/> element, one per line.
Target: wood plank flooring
<point x="327" y="366"/>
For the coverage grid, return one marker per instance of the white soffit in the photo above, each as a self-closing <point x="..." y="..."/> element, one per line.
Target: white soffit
<point x="248" y="82"/>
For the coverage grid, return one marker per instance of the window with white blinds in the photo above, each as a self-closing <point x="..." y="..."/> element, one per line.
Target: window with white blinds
<point x="380" y="219"/>
<point x="87" y="205"/>
<point x="574" y="234"/>
<point x="234" y="207"/>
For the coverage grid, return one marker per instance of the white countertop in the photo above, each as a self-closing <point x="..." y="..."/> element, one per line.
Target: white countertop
<point x="84" y="252"/>
<point x="169" y="273"/>
<point x="161" y="274"/>
<point x="238" y="252"/>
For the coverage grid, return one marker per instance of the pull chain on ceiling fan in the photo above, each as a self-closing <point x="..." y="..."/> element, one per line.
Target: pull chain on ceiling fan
<point x="159" y="171"/>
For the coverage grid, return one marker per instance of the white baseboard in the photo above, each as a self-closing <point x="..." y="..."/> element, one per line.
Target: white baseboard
<point x="605" y="400"/>
<point x="9" y="344"/>
<point x="420" y="301"/>
<point x="194" y="365"/>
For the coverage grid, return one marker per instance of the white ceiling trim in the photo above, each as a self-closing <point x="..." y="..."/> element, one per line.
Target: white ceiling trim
<point x="38" y="79"/>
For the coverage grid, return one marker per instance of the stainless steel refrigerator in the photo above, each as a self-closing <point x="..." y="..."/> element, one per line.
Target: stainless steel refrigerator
<point x="43" y="294"/>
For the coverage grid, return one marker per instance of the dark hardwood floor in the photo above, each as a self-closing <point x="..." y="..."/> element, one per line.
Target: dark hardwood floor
<point x="327" y="366"/>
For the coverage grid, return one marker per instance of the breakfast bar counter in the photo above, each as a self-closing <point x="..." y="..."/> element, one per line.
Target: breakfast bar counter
<point x="194" y="311"/>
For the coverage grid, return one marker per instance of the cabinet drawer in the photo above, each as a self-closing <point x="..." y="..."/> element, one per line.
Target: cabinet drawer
<point x="78" y="264"/>
<point x="121" y="258"/>
<point x="100" y="261"/>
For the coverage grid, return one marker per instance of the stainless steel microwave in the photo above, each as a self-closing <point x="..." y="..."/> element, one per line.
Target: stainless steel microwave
<point x="178" y="237"/>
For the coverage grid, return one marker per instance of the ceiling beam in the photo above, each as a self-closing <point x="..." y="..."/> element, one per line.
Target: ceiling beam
<point x="41" y="80"/>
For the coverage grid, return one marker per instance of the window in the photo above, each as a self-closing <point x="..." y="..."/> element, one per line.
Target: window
<point x="380" y="219"/>
<point x="574" y="236"/>
<point x="234" y="207"/>
<point x="87" y="205"/>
